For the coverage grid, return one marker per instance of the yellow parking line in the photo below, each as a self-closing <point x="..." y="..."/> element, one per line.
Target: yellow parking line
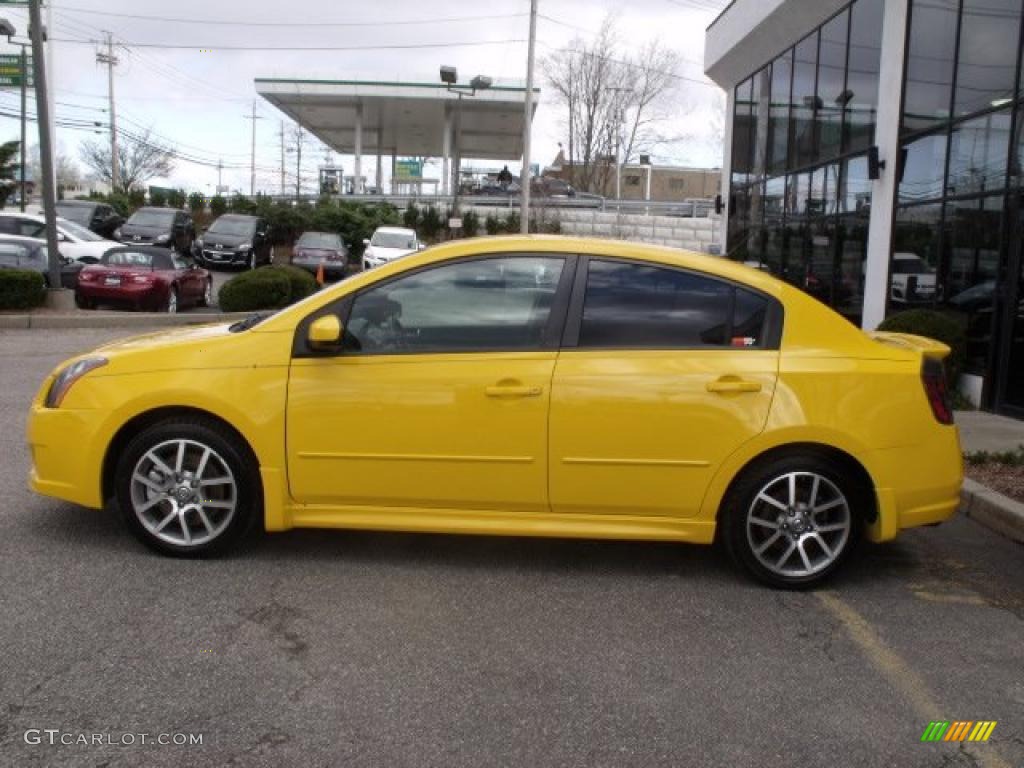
<point x="904" y="679"/>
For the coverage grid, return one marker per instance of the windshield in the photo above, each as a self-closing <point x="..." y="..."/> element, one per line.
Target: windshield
<point x="393" y="240"/>
<point x="81" y="214"/>
<point x="910" y="266"/>
<point x="224" y="226"/>
<point x="78" y="231"/>
<point x="151" y="218"/>
<point x="320" y="240"/>
<point x="128" y="259"/>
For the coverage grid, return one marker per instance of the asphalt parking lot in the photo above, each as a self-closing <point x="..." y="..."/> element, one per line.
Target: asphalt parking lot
<point x="332" y="648"/>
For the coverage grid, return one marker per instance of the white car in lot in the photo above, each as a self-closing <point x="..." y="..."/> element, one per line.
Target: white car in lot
<point x="913" y="279"/>
<point x="76" y="242"/>
<point x="388" y="244"/>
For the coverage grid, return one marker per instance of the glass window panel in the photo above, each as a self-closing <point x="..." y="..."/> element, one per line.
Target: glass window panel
<point x="760" y="105"/>
<point x="852" y="237"/>
<point x="977" y="154"/>
<point x="987" y="58"/>
<point x="832" y="86"/>
<point x="774" y="217"/>
<point x="930" y="63"/>
<point x="1016" y="167"/>
<point x="739" y="220"/>
<point x="855" y="194"/>
<point x="805" y="67"/>
<point x="493" y="304"/>
<point x="741" y="134"/>
<point x="915" y="258"/>
<point x="633" y="305"/>
<point x="778" y="127"/>
<point x="923" y="168"/>
<point x="861" y="97"/>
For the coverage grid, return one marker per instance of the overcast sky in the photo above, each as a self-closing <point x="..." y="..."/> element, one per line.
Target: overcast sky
<point x="198" y="101"/>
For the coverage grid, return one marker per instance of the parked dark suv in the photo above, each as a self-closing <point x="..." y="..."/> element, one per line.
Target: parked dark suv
<point x="99" y="217"/>
<point x="234" y="239"/>
<point x="159" y="226"/>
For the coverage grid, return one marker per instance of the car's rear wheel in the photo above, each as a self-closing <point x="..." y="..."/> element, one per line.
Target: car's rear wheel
<point x="187" y="488"/>
<point x="84" y="303"/>
<point x="206" y="299"/>
<point x="791" y="522"/>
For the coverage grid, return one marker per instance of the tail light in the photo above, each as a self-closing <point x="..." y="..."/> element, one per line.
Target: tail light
<point x="86" y="277"/>
<point x="933" y="376"/>
<point x="142" y="279"/>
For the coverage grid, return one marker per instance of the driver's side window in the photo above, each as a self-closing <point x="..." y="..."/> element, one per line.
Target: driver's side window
<point x="490" y="304"/>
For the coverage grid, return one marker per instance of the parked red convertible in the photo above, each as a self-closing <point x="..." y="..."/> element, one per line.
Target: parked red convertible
<point x="143" y="277"/>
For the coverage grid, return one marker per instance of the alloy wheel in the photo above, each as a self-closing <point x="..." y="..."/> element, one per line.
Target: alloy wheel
<point x="183" y="492"/>
<point x="798" y="524"/>
<point x="208" y="293"/>
<point x="172" y="302"/>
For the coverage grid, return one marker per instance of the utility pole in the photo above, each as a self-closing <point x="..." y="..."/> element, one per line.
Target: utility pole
<point x="220" y="170"/>
<point x="299" y="136"/>
<point x="252" y="157"/>
<point x="281" y="134"/>
<point x="524" y="176"/>
<point x="24" y="89"/>
<point x="45" y="145"/>
<point x="110" y="60"/>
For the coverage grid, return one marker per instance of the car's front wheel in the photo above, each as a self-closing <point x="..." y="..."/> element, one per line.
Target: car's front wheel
<point x="171" y="306"/>
<point x="186" y="487"/>
<point x="791" y="522"/>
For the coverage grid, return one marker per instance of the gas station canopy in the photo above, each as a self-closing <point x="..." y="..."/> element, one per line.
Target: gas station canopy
<point x="416" y="118"/>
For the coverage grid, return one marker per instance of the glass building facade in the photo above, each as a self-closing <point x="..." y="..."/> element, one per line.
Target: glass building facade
<point x="800" y="197"/>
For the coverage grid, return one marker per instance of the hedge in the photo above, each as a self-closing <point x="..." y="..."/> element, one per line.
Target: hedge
<point x="934" y="325"/>
<point x="270" y="287"/>
<point x="21" y="289"/>
<point x="262" y="288"/>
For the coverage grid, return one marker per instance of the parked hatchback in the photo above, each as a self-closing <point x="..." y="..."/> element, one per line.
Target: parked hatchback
<point x="321" y="250"/>
<point x="164" y="227"/>
<point x="76" y="242"/>
<point x="234" y="239"/>
<point x="101" y="218"/>
<point x="527" y="386"/>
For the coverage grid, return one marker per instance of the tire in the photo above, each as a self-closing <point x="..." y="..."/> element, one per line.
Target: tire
<point x="787" y="540"/>
<point x="171" y="305"/>
<point x="83" y="303"/>
<point x="207" y="298"/>
<point x="250" y="263"/>
<point x="176" y="513"/>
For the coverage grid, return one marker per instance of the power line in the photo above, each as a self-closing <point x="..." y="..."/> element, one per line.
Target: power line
<point x="386" y="47"/>
<point x="299" y="24"/>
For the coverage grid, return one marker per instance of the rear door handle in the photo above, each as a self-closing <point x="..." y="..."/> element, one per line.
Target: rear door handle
<point x="730" y="384"/>
<point x="512" y="390"/>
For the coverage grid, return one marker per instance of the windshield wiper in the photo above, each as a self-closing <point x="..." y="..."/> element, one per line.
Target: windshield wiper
<point x="254" y="319"/>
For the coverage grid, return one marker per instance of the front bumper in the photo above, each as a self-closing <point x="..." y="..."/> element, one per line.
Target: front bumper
<point x="71" y="475"/>
<point x="225" y="257"/>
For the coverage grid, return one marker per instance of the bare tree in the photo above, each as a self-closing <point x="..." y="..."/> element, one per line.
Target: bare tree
<point x="614" y="102"/>
<point x="139" y="159"/>
<point x="68" y="173"/>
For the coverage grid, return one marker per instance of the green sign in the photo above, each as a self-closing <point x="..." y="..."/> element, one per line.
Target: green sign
<point x="10" y="70"/>
<point x="408" y="170"/>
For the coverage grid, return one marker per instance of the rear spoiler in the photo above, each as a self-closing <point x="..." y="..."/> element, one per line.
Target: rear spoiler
<point x="929" y="348"/>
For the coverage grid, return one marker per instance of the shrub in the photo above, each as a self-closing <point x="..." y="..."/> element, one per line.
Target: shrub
<point x="411" y="216"/>
<point x="430" y="224"/>
<point x="512" y="224"/>
<point x="136" y="198"/>
<point x="176" y="198"/>
<point x="263" y="288"/>
<point x="470" y="224"/>
<point x="241" y="204"/>
<point x="300" y="283"/>
<point x="492" y="225"/>
<point x="196" y="203"/>
<point x="21" y="289"/>
<point x="218" y="205"/>
<point x="158" y="198"/>
<point x="935" y="325"/>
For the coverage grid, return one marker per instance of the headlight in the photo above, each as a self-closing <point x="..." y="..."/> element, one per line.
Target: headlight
<point x="161" y="238"/>
<point x="117" y="233"/>
<point x="66" y="379"/>
<point x="245" y="247"/>
<point x="199" y="242"/>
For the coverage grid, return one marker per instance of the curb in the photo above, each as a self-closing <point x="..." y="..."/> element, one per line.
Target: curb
<point x="129" y="320"/>
<point x="992" y="509"/>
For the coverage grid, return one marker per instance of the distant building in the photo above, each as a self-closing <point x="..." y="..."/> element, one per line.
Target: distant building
<point x="669" y="183"/>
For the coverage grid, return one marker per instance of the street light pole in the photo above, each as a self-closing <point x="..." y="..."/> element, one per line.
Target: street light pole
<point x="45" y="144"/>
<point x="24" y="91"/>
<point x="524" y="176"/>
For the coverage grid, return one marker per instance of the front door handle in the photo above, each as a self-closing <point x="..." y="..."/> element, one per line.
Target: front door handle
<point x="512" y="390"/>
<point x="731" y="384"/>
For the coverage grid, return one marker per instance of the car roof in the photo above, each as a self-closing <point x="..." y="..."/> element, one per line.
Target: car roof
<point x="81" y="203"/>
<point x="23" y="239"/>
<point x="158" y="208"/>
<point x="150" y="249"/>
<point x="237" y="216"/>
<point x="395" y="231"/>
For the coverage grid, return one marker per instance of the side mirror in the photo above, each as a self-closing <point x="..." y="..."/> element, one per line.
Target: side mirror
<point x="324" y="333"/>
<point x="365" y="241"/>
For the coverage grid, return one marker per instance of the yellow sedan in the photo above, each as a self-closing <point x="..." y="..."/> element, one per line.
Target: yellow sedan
<point x="527" y="386"/>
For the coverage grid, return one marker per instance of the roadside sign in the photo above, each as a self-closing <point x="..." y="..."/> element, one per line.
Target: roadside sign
<point x="10" y="70"/>
<point x="454" y="223"/>
<point x="408" y="170"/>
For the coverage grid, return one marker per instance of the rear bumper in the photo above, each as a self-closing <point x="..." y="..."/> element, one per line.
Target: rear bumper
<point x="332" y="269"/>
<point x="143" y="296"/>
<point x="918" y="485"/>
